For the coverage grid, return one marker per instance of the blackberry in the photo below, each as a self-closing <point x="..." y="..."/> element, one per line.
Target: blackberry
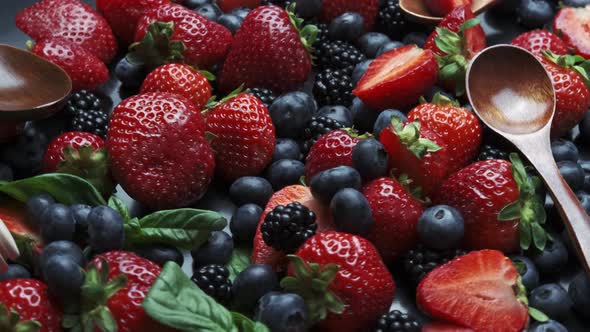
<point x="489" y="152"/>
<point x="333" y="87"/>
<point x="95" y="122"/>
<point x="83" y="101"/>
<point x="418" y="262"/>
<point x="339" y="54"/>
<point x="397" y="321"/>
<point x="317" y="127"/>
<point x="24" y="155"/>
<point x="214" y="280"/>
<point x="286" y="227"/>
<point x="391" y="20"/>
<point x="265" y="95"/>
<point x="322" y="35"/>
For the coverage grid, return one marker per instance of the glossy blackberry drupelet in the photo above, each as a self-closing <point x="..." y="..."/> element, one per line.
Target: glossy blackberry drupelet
<point x="339" y="54"/>
<point x="95" y="122"/>
<point x="418" y="262"/>
<point x="317" y="127"/>
<point x="321" y="37"/>
<point x="83" y="101"/>
<point x="489" y="152"/>
<point x="214" y="280"/>
<point x="391" y="20"/>
<point x="397" y="321"/>
<point x="286" y="227"/>
<point x="333" y="87"/>
<point x="265" y="95"/>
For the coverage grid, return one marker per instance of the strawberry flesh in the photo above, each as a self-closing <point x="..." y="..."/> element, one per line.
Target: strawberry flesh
<point x="574" y="26"/>
<point x="443" y="7"/>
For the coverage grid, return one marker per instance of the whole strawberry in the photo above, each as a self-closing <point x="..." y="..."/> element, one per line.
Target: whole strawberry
<point x="269" y="51"/>
<point x="331" y="150"/>
<point x="499" y="205"/>
<point x="25" y="303"/>
<point x="334" y="8"/>
<point x="395" y="217"/>
<point x="86" y="71"/>
<point x="539" y="40"/>
<point x="56" y="154"/>
<point x="158" y="150"/>
<point x="243" y="136"/>
<point x="180" y="79"/>
<point x="72" y="20"/>
<point x="360" y="286"/>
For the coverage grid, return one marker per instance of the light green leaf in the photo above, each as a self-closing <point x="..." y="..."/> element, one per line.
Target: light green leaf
<point x="245" y="324"/>
<point x="118" y="205"/>
<point x="238" y="262"/>
<point x="538" y="315"/>
<point x="539" y="236"/>
<point x="524" y="231"/>
<point x="510" y="212"/>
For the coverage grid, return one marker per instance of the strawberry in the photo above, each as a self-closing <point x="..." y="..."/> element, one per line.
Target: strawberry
<point x="456" y="40"/>
<point x="572" y="95"/>
<point x="334" y="8"/>
<point x="359" y="285"/>
<point x="158" y="150"/>
<point x="480" y="290"/>
<point x="72" y="20"/>
<point x="179" y="79"/>
<point x="261" y="252"/>
<point x="538" y="40"/>
<point x="172" y="32"/>
<point x="123" y="15"/>
<point x="419" y="154"/>
<point x="444" y="327"/>
<point x="243" y="136"/>
<point x="498" y="202"/>
<point x="26" y="235"/>
<point x="331" y="150"/>
<point x="395" y="217"/>
<point x="86" y="71"/>
<point x="229" y="5"/>
<point x="25" y="306"/>
<point x="457" y="127"/>
<point x="572" y="25"/>
<point x="397" y="78"/>
<point x="269" y="37"/>
<point x="444" y="7"/>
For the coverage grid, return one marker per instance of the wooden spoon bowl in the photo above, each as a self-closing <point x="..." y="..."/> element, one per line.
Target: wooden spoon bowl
<point x="417" y="11"/>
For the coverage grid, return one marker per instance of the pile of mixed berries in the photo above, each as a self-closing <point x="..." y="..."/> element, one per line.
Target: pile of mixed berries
<point x="341" y="133"/>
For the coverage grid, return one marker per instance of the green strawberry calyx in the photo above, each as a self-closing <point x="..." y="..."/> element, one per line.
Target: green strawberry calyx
<point x="312" y="282"/>
<point x="90" y="164"/>
<point x="213" y="102"/>
<point x="440" y="100"/>
<point x="354" y="133"/>
<point x="575" y="62"/>
<point x="10" y="321"/>
<point x="307" y="33"/>
<point x="156" y="48"/>
<point x="521" y="296"/>
<point x="409" y="135"/>
<point x="529" y="208"/>
<point x="453" y="65"/>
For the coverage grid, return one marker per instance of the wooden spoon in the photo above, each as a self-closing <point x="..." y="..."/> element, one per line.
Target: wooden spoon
<point x="512" y="93"/>
<point x="417" y="11"/>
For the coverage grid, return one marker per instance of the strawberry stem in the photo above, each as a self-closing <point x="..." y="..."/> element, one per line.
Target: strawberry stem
<point x="156" y="48"/>
<point x="409" y="135"/>
<point x="307" y="33"/>
<point x="10" y="321"/>
<point x="575" y="62"/>
<point x="90" y="164"/>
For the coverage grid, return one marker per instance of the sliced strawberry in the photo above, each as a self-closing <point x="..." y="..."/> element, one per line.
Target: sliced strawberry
<point x="444" y="327"/>
<point x="480" y="290"/>
<point x="574" y="26"/>
<point x="397" y="78"/>
<point x="443" y="7"/>
<point x="27" y="236"/>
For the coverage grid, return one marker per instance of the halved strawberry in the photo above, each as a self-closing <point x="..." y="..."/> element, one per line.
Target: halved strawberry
<point x="443" y="7"/>
<point x="397" y="78"/>
<point x="573" y="24"/>
<point x="26" y="235"/>
<point x="480" y="290"/>
<point x="444" y="327"/>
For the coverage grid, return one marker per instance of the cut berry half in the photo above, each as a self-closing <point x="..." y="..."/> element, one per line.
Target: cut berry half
<point x="573" y="24"/>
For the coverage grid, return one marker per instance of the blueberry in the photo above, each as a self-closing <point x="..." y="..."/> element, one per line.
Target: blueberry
<point x="364" y="117"/>
<point x="130" y="74"/>
<point x="241" y="12"/>
<point x="105" y="229"/>
<point x="192" y="4"/>
<point x="209" y="11"/>
<point x="36" y="205"/>
<point x="527" y="270"/>
<point x="564" y="150"/>
<point x="291" y="112"/>
<point x="384" y="120"/>
<point x="6" y="173"/>
<point x="64" y="279"/>
<point x="15" y="271"/>
<point x="80" y="213"/>
<point x="61" y="248"/>
<point x="282" y="312"/>
<point x="348" y="26"/>
<point x="57" y="223"/>
<point x="160" y="254"/>
<point x="585" y="129"/>
<point x="285" y="172"/>
<point x="551" y="299"/>
<point x="506" y="7"/>
<point x="370" y="159"/>
<point x="553" y="258"/>
<point x="370" y="42"/>
<point x="250" y="189"/>
<point x="392" y="45"/>
<point x="251" y="284"/>
<point x="584" y="200"/>
<point x="351" y="212"/>
<point x="575" y="3"/>
<point x="441" y="227"/>
<point x="217" y="250"/>
<point x="417" y="38"/>
<point x="579" y="292"/>
<point x="325" y="184"/>
<point x="548" y="326"/>
<point x="535" y="13"/>
<point x="338" y="113"/>
<point x="286" y="148"/>
<point x="587" y="183"/>
<point x="231" y="22"/>
<point x="572" y="173"/>
<point x="244" y="222"/>
<point x="308" y="8"/>
<point x="359" y="70"/>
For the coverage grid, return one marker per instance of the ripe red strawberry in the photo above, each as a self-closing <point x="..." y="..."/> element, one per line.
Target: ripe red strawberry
<point x="243" y="136"/>
<point x="55" y="154"/>
<point x="24" y="232"/>
<point x="229" y="5"/>
<point x="457" y="127"/>
<point x="334" y="8"/>
<point x="158" y="150"/>
<point x="361" y="286"/>
<point x="86" y="71"/>
<point x="395" y="216"/>
<point x="461" y="37"/>
<point x="444" y="327"/>
<point x="123" y="15"/>
<point x="72" y="20"/>
<point x="179" y="79"/>
<point x="397" y="78"/>
<point x="268" y="39"/>
<point x="444" y="7"/>
<point x="331" y="150"/>
<point x="28" y="298"/>
<point x="538" y="40"/>
<point x="572" y="25"/>
<point x="419" y="153"/>
<point x="180" y="33"/>
<point x="494" y="196"/>
<point x="480" y="290"/>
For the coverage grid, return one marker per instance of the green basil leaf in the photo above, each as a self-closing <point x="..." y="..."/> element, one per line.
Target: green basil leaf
<point x="65" y="188"/>
<point x="239" y="261"/>
<point x="245" y="324"/>
<point x="174" y="300"/>
<point x="183" y="228"/>
<point x="118" y="205"/>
